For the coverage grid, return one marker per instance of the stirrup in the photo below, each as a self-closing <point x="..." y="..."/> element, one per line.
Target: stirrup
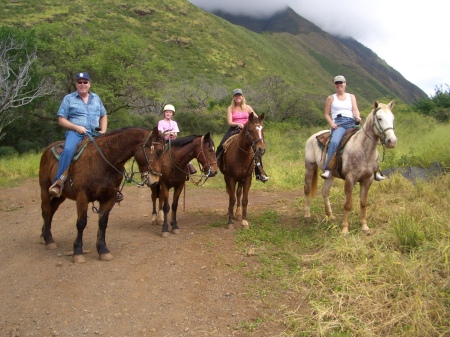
<point x="378" y="176"/>
<point x="55" y="189"/>
<point x="119" y="197"/>
<point x="326" y="174"/>
<point x="262" y="177"/>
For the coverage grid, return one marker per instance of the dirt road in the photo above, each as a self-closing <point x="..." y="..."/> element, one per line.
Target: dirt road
<point x="191" y="284"/>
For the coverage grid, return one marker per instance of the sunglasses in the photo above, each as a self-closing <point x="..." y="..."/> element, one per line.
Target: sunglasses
<point x="338" y="82"/>
<point x="82" y="82"/>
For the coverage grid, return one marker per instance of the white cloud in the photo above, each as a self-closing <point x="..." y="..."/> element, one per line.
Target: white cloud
<point x="411" y="36"/>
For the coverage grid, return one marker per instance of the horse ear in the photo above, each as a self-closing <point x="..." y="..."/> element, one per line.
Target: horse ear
<point x="262" y="116"/>
<point x="155" y="133"/>
<point x="375" y="104"/>
<point x="391" y="104"/>
<point x="207" y="136"/>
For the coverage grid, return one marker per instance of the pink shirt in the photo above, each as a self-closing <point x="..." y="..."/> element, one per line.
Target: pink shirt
<point x="240" y="117"/>
<point x="168" y="125"/>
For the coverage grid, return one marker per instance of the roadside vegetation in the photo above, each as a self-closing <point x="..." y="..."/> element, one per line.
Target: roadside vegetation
<point x="394" y="282"/>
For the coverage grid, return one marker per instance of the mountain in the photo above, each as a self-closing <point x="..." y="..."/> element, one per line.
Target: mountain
<point x="142" y="54"/>
<point x="360" y="64"/>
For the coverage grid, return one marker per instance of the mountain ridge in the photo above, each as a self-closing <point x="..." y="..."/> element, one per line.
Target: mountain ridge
<point x="346" y="50"/>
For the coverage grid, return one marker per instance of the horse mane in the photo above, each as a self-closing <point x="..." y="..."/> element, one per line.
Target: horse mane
<point x="183" y="140"/>
<point x="116" y="131"/>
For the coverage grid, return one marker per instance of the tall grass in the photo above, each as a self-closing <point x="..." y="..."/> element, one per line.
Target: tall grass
<point x="315" y="282"/>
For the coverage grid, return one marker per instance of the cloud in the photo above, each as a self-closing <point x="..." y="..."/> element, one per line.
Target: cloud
<point x="411" y="36"/>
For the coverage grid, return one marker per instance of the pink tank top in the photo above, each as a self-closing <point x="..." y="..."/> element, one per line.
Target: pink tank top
<point x="239" y="117"/>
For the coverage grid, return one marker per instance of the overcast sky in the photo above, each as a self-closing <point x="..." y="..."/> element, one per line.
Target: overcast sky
<point x="412" y="36"/>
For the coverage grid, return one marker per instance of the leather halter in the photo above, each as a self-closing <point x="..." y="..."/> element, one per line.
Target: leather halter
<point x="379" y="128"/>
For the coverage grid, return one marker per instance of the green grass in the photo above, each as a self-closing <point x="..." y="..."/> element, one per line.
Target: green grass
<point x="317" y="283"/>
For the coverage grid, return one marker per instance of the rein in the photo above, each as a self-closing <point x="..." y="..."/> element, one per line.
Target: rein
<point x="200" y="181"/>
<point x="376" y="124"/>
<point x="253" y="147"/>
<point x="128" y="178"/>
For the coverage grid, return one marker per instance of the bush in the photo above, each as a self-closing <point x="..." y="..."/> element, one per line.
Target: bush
<point x="7" y="151"/>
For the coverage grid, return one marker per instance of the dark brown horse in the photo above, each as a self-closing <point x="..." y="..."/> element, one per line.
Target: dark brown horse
<point x="179" y="153"/>
<point x="96" y="176"/>
<point x="237" y="165"/>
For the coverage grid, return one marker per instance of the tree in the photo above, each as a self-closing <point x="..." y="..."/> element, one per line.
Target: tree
<point x="18" y="85"/>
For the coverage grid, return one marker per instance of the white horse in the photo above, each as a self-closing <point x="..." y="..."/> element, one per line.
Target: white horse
<point x="359" y="162"/>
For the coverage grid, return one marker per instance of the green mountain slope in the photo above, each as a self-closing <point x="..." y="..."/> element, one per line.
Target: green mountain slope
<point x="142" y="54"/>
<point x="368" y="74"/>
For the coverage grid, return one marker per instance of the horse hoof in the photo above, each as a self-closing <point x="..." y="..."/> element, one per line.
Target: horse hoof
<point x="176" y="231"/>
<point x="79" y="259"/>
<point x="245" y="224"/>
<point x="165" y="234"/>
<point x="51" y="246"/>
<point x="366" y="232"/>
<point x="105" y="257"/>
<point x="230" y="226"/>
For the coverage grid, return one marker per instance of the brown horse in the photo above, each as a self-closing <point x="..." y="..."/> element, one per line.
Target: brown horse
<point x="359" y="162"/>
<point x="96" y="176"/>
<point x="237" y="165"/>
<point x="179" y="153"/>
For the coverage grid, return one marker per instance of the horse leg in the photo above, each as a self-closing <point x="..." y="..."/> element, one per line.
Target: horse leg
<point x="176" y="196"/>
<point x="246" y="188"/>
<point x="81" y="225"/>
<point x="231" y="189"/>
<point x="154" y="197"/>
<point x="348" y="189"/>
<point x="48" y="208"/>
<point x="326" y="197"/>
<point x="105" y="208"/>
<point x="310" y="187"/>
<point x="364" y="192"/>
<point x="166" y="209"/>
<point x="238" y="204"/>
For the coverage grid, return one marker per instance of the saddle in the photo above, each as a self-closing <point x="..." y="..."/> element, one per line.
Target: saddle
<point x="336" y="160"/>
<point x="59" y="147"/>
<point x="225" y="146"/>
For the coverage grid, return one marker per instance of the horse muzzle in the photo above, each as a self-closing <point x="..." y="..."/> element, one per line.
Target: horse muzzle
<point x="150" y="179"/>
<point x="391" y="141"/>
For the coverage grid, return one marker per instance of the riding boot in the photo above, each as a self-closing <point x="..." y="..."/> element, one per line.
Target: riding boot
<point x="55" y="189"/>
<point x="191" y="169"/>
<point x="259" y="172"/>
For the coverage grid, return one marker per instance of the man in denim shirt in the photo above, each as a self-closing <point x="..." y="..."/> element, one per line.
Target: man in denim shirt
<point x="80" y="113"/>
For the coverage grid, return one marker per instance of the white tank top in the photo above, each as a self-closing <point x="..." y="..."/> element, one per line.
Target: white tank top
<point x="343" y="108"/>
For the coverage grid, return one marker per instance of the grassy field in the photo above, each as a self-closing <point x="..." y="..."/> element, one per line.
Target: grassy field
<point x="394" y="282"/>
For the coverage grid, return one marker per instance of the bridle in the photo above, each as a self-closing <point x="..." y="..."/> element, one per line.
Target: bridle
<point x="382" y="132"/>
<point x="145" y="176"/>
<point x="253" y="144"/>
<point x="379" y="128"/>
<point x="207" y="165"/>
<point x="202" y="153"/>
<point x="252" y="141"/>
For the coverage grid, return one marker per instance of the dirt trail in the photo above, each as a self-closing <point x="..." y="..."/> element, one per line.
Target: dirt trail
<point x="191" y="284"/>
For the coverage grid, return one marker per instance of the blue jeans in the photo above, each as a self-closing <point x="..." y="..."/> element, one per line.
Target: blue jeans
<point x="73" y="138"/>
<point x="344" y="123"/>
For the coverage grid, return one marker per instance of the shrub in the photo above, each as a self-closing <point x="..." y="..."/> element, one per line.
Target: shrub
<point x="7" y="151"/>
